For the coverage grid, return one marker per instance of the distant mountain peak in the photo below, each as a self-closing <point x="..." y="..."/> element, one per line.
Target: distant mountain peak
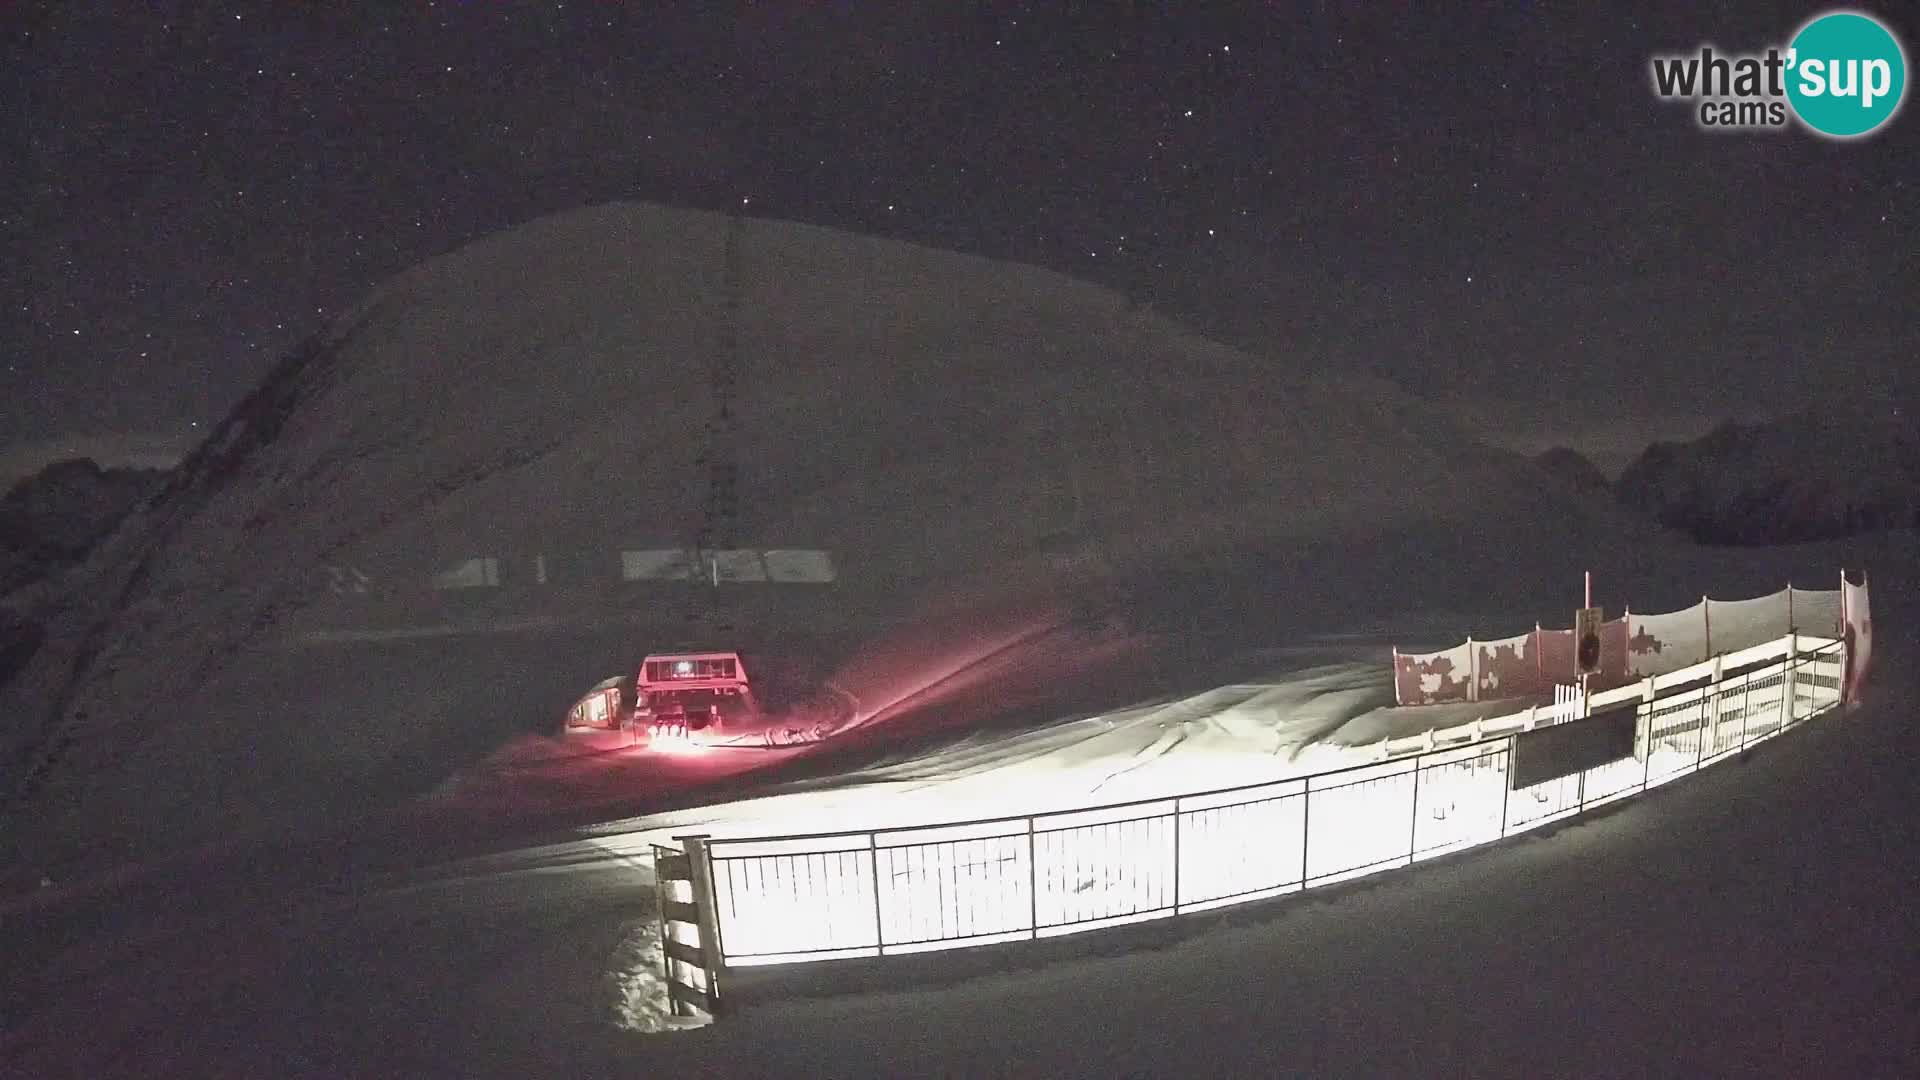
<point x="1573" y="468"/>
<point x="1816" y="474"/>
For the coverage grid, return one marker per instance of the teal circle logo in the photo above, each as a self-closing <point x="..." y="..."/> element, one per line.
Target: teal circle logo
<point x="1846" y="74"/>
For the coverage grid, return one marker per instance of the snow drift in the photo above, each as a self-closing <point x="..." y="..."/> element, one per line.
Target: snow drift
<point x="961" y="435"/>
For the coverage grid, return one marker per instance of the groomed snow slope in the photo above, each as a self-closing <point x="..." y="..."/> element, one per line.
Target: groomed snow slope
<point x="944" y="425"/>
<point x="1265" y="728"/>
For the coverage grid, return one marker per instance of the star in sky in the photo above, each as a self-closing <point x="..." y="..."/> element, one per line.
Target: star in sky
<point x="204" y="184"/>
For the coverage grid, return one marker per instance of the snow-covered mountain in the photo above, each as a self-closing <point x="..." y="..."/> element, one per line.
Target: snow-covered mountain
<point x="56" y="515"/>
<point x="1572" y="468"/>
<point x="48" y="522"/>
<point x="1817" y="474"/>
<point x="986" y="442"/>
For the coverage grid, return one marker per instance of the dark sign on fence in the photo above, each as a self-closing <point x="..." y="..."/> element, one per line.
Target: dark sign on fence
<point x="1550" y="753"/>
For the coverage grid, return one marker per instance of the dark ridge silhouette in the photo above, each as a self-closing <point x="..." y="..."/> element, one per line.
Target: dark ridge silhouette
<point x="1816" y="475"/>
<point x="1572" y="467"/>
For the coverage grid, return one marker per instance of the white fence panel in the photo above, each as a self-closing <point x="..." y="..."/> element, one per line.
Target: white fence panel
<point x="1461" y="801"/>
<point x="1360" y="825"/>
<point x="1247" y="848"/>
<point x="955" y="890"/>
<point x="1090" y="873"/>
<point x="795" y="904"/>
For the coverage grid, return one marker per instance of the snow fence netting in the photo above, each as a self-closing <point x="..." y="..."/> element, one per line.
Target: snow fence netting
<point x="1815" y="611"/>
<point x="1858" y="633"/>
<point x="1613" y="656"/>
<point x="1556" y="655"/>
<point x="1657" y="644"/>
<point x="1509" y="667"/>
<point x="1631" y="647"/>
<point x="1432" y="678"/>
<point x="1733" y="625"/>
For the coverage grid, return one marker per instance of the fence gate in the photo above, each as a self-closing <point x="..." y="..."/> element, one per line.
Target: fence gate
<point x="689" y="933"/>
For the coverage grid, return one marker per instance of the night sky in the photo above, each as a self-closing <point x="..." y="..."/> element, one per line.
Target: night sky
<point x="1492" y="210"/>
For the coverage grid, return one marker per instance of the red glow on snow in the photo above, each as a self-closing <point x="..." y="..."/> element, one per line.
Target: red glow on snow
<point x="960" y="659"/>
<point x="675" y="745"/>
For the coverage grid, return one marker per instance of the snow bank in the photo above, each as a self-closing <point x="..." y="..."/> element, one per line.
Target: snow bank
<point x="1245" y="733"/>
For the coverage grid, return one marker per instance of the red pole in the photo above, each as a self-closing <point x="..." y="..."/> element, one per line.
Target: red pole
<point x="1473" y="669"/>
<point x="1846" y="654"/>
<point x="1584" y="690"/>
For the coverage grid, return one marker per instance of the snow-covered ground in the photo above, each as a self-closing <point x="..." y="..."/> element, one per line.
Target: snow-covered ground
<point x="1246" y="733"/>
<point x="1693" y="931"/>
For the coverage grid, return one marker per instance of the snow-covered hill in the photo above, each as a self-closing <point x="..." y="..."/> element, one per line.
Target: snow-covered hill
<point x="978" y="445"/>
<point x="1817" y="474"/>
<point x="1574" y="469"/>
<point x="55" y="516"/>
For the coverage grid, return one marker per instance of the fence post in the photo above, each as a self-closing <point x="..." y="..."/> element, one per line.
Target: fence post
<point x="1717" y="677"/>
<point x="1700" y="734"/>
<point x="879" y="927"/>
<point x="1176" y="855"/>
<point x="1413" y="827"/>
<point x="700" y="864"/>
<point x="1306" y="827"/>
<point x="675" y="1007"/>
<point x="1473" y="670"/>
<point x="1788" y="692"/>
<point x="1506" y="789"/>
<point x="1646" y="747"/>
<point x="692" y="864"/>
<point x="1746" y="704"/>
<point x="1710" y="711"/>
<point x="1580" y="791"/>
<point x="1033" y="881"/>
<point x="1846" y="653"/>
